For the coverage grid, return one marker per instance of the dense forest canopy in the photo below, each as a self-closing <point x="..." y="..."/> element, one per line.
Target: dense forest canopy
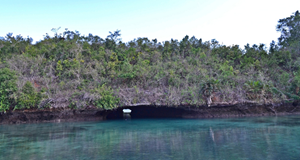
<point x="70" y="70"/>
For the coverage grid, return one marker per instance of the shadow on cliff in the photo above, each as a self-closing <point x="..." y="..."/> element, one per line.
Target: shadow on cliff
<point x="138" y="112"/>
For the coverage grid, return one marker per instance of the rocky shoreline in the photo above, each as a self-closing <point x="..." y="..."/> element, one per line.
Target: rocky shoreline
<point x="50" y="115"/>
<point x="149" y="111"/>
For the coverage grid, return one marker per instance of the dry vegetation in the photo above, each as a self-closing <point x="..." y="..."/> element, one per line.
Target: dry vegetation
<point x="74" y="71"/>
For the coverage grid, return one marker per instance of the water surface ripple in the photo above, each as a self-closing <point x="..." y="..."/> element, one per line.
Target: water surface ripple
<point x="237" y="138"/>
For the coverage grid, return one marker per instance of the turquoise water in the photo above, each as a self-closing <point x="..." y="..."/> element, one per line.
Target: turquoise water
<point x="237" y="138"/>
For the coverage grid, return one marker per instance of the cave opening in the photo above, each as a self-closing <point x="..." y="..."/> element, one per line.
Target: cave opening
<point x="140" y="112"/>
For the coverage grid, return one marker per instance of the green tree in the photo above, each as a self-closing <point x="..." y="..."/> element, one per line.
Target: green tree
<point x="290" y="29"/>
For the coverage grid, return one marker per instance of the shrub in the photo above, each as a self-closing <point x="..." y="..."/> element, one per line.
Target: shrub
<point x="28" y="97"/>
<point x="107" y="99"/>
<point x="8" y="88"/>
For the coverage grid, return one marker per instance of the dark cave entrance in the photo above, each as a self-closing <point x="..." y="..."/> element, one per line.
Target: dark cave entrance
<point x="139" y="112"/>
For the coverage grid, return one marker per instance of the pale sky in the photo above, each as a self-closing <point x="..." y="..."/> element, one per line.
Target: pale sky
<point x="228" y="21"/>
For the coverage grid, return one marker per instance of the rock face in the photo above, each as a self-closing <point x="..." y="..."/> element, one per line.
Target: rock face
<point x="220" y="110"/>
<point x="35" y="115"/>
<point x="148" y="111"/>
<point x="242" y="110"/>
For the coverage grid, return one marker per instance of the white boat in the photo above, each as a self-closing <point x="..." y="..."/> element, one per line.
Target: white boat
<point x="127" y="111"/>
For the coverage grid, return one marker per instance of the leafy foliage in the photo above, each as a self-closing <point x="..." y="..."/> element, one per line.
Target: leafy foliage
<point x="28" y="98"/>
<point x="290" y="29"/>
<point x="107" y="99"/>
<point x="73" y="70"/>
<point x="8" y="89"/>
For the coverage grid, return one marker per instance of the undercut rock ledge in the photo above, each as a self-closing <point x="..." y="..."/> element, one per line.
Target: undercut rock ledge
<point x="148" y="111"/>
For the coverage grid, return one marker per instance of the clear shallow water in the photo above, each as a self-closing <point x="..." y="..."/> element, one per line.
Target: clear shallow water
<point x="238" y="138"/>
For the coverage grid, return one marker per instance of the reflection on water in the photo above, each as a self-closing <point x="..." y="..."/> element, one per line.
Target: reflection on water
<point x="239" y="138"/>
